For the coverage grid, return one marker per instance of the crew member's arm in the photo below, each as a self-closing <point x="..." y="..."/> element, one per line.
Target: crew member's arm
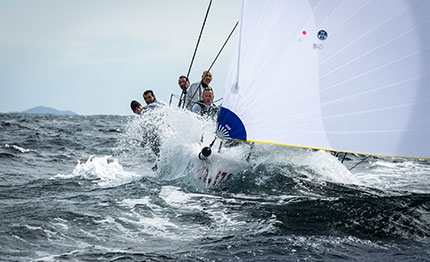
<point x="196" y="108"/>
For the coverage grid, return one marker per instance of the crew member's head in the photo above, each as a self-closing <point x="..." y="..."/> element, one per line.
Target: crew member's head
<point x="208" y="97"/>
<point x="149" y="97"/>
<point x="207" y="77"/>
<point x="183" y="82"/>
<point x="136" y="107"/>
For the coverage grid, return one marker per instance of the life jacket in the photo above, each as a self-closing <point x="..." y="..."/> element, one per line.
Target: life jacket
<point x="211" y="111"/>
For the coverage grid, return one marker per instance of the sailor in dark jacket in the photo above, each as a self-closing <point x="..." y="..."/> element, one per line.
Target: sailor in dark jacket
<point x="136" y="107"/>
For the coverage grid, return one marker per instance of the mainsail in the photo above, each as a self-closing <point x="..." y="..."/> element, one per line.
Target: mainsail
<point x="349" y="76"/>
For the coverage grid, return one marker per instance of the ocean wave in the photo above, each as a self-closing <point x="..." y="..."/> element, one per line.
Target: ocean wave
<point x="100" y="195"/>
<point x="18" y="148"/>
<point x="105" y="171"/>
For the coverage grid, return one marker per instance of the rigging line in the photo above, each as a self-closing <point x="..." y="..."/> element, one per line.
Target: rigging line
<point x="216" y="101"/>
<point x="344" y="156"/>
<point x="170" y="101"/>
<point x="184" y="92"/>
<point x="366" y="33"/>
<point x="171" y="96"/>
<point x="359" y="163"/>
<point x="198" y="41"/>
<point x="195" y="50"/>
<point x="207" y="71"/>
<point x="223" y="45"/>
<point x="197" y="89"/>
<point x="375" y="69"/>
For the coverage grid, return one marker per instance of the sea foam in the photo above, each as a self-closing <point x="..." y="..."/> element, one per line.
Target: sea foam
<point x="104" y="171"/>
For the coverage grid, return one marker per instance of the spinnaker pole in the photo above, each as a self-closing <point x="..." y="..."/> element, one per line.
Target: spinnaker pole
<point x="206" y="151"/>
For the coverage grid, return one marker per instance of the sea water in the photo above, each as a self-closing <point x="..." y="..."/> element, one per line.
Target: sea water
<point x="81" y="188"/>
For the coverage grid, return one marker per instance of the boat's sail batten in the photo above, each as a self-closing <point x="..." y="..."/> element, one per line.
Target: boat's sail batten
<point x="338" y="75"/>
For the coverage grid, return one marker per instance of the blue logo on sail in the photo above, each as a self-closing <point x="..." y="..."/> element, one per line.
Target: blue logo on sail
<point x="322" y="35"/>
<point x="230" y="125"/>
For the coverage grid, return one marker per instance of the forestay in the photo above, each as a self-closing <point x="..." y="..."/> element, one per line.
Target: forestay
<point x="348" y="76"/>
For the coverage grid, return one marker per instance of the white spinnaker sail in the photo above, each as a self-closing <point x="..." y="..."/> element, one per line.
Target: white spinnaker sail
<point x="349" y="76"/>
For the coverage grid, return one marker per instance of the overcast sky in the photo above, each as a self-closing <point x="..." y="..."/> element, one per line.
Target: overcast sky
<point x="94" y="57"/>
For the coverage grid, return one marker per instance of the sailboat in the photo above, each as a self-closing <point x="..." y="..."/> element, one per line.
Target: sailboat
<point x="347" y="76"/>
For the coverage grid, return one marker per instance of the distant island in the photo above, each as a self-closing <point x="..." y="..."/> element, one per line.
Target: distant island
<point x="42" y="110"/>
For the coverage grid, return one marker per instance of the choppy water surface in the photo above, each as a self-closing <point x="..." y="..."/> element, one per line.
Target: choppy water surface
<point x="78" y="188"/>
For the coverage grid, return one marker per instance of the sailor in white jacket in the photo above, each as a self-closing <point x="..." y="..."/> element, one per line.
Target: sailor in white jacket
<point x="195" y="91"/>
<point x="151" y="101"/>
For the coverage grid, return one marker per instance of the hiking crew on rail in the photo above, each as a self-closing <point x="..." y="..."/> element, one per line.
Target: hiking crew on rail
<point x="206" y="107"/>
<point x="195" y="91"/>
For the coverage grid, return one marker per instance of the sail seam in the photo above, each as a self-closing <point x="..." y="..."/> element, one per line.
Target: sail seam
<point x="376" y="131"/>
<point x="372" y="90"/>
<point x="370" y="51"/>
<point x="366" y="33"/>
<point x="329" y="15"/>
<point x="374" y="70"/>
<point x="375" y="110"/>
<point x="351" y="16"/>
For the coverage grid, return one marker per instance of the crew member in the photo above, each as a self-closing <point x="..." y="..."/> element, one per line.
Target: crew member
<point x="206" y="107"/>
<point x="136" y="107"/>
<point x="151" y="101"/>
<point x="195" y="91"/>
<point x="183" y="83"/>
<point x="150" y="134"/>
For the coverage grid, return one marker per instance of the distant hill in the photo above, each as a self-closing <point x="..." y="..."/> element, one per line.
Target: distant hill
<point x="42" y="110"/>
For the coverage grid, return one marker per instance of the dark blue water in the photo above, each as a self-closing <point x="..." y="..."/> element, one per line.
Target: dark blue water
<point x="80" y="188"/>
